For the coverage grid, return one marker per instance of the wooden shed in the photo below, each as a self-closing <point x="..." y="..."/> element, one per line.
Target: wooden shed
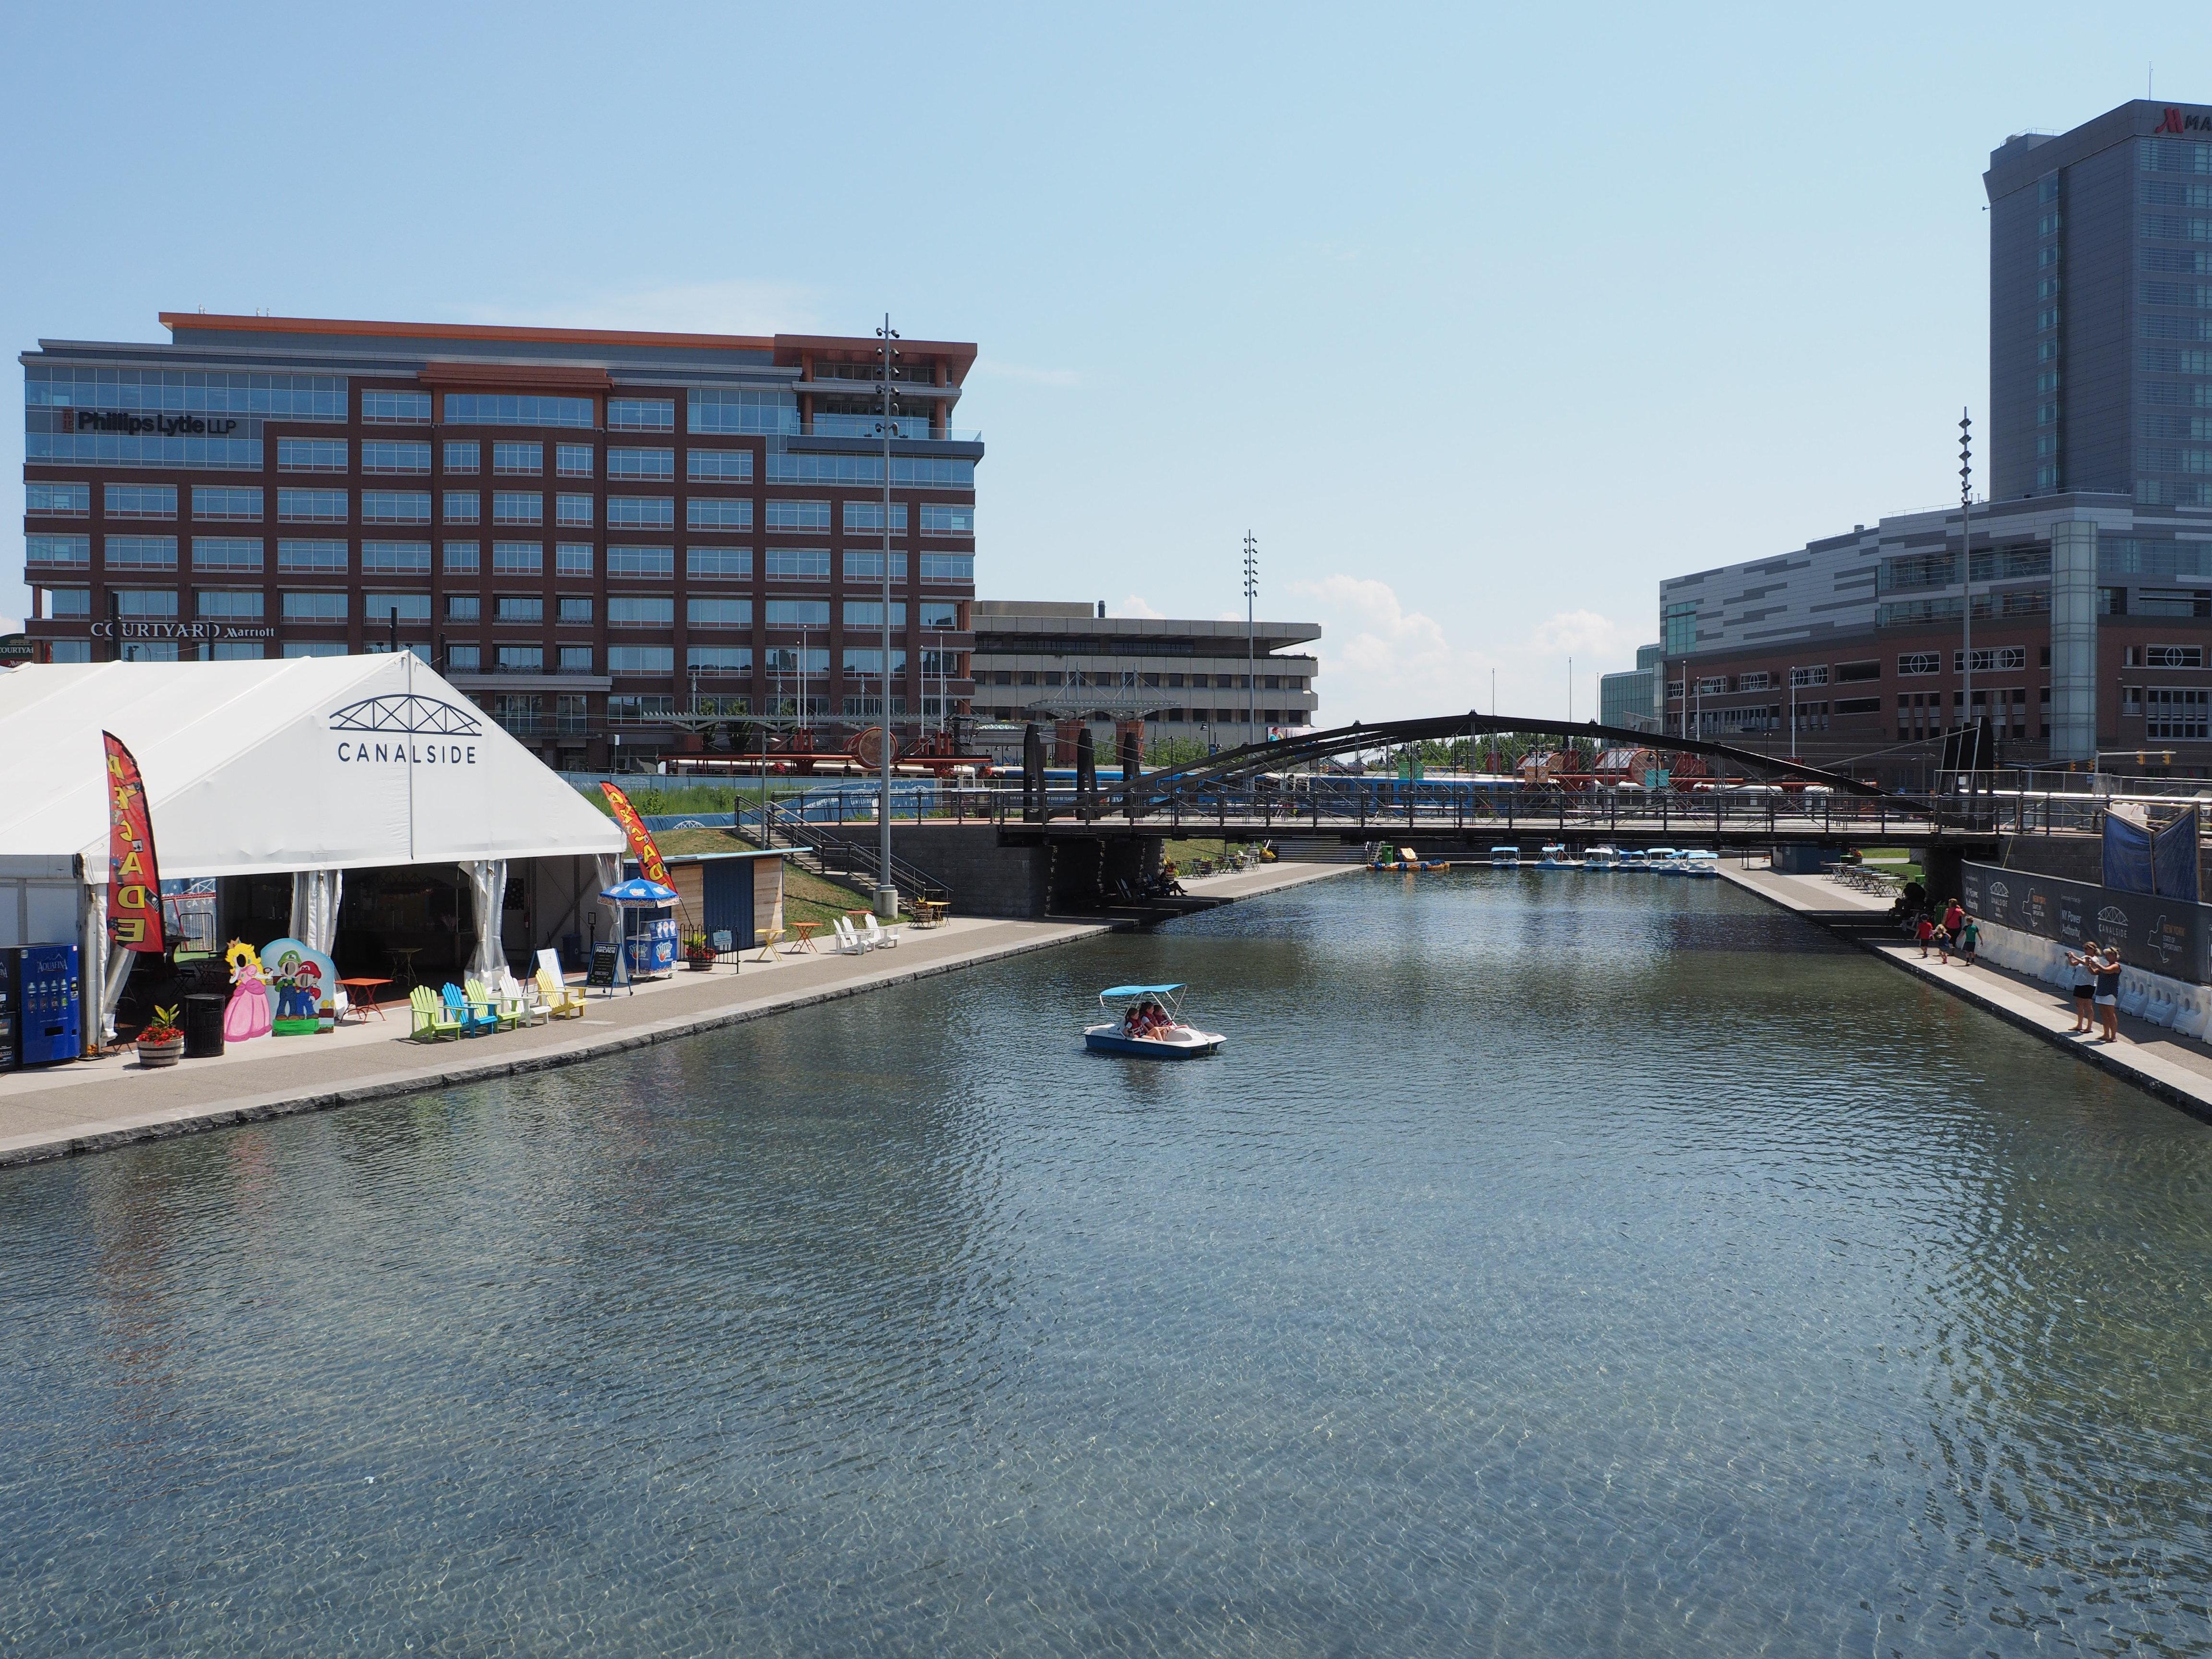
<point x="741" y="891"/>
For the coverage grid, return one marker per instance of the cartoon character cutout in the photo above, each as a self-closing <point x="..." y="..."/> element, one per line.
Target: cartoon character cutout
<point x="247" y="1015"/>
<point x="301" y="988"/>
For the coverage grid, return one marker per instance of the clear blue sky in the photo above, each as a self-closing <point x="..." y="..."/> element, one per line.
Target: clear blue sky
<point x="1483" y="320"/>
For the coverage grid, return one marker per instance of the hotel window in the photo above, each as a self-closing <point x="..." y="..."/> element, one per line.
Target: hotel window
<point x="1920" y="662"/>
<point x="622" y="709"/>
<point x="141" y="552"/>
<point x="869" y="613"/>
<point x="870" y="661"/>
<point x="521" y="608"/>
<point x="718" y="513"/>
<point x="573" y="510"/>
<point x="641" y="512"/>
<point x="142" y="501"/>
<point x="154" y="603"/>
<point x="784" y="660"/>
<point x="641" y="464"/>
<point x="58" y="501"/>
<point x="518" y="458"/>
<point x="517" y="558"/>
<point x="395" y="456"/>
<point x="58" y="550"/>
<point x="395" y="507"/>
<point x="323" y="605"/>
<point x="798" y="564"/>
<point x="464" y="507"/>
<point x="719" y="613"/>
<point x="226" y="603"/>
<point x="576" y="659"/>
<point x="463" y="659"/>
<point x="478" y="408"/>
<point x="464" y="455"/>
<point x="948" y="566"/>
<point x="576" y="608"/>
<point x="69" y="651"/>
<point x="2173" y="656"/>
<point x="723" y="465"/>
<point x="641" y="414"/>
<point x="314" y="506"/>
<point x="220" y="502"/>
<point x="312" y="454"/>
<point x="640" y="561"/>
<point x="719" y="659"/>
<point x="226" y="553"/>
<point x="945" y="615"/>
<point x="317" y="556"/>
<point x="2178" y="712"/>
<point x="869" y="567"/>
<point x="521" y="660"/>
<point x="798" y="515"/>
<point x="797" y="613"/>
<point x="396" y="408"/>
<point x="463" y="558"/>
<point x="514" y="507"/>
<point x="641" y="611"/>
<point x="739" y="409"/>
<point x="572" y="558"/>
<point x="938" y="520"/>
<point x="718" y="563"/>
<point x="410" y="558"/>
<point x="869" y="515"/>
<point x="641" y="659"/>
<point x="379" y="607"/>
<point x="464" y="607"/>
<point x="572" y="460"/>
<point x="69" y="602"/>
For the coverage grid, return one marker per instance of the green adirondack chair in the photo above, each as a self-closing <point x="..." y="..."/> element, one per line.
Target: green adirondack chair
<point x="502" y="1012"/>
<point x="431" y="1022"/>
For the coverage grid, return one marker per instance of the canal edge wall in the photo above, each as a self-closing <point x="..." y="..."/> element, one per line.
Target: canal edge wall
<point x="2172" y="1084"/>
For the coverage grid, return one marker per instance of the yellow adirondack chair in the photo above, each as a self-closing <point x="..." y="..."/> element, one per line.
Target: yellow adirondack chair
<point x="560" y="1000"/>
<point x="432" y="1023"/>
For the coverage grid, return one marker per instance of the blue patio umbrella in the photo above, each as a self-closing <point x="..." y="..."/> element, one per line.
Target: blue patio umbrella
<point x="638" y="890"/>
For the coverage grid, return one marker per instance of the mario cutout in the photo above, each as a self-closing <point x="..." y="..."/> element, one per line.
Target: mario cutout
<point x="303" y="984"/>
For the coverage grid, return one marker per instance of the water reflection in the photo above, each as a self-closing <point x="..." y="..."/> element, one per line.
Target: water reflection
<point x="1546" y="1266"/>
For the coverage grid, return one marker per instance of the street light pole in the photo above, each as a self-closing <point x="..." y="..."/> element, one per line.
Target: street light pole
<point x="1966" y="574"/>
<point x="1251" y="652"/>
<point x="886" y="891"/>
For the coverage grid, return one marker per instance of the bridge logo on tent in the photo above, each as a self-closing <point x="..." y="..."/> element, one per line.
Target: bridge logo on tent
<point x="405" y="715"/>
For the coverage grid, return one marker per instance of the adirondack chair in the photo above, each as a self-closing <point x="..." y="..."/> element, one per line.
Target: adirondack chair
<point x="849" y="943"/>
<point x="877" y="938"/>
<point x="560" y="1001"/>
<point x="503" y="1014"/>
<point x="472" y="1023"/>
<point x="432" y="1022"/>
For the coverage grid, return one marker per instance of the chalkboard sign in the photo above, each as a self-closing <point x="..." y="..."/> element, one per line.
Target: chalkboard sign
<point x="605" y="958"/>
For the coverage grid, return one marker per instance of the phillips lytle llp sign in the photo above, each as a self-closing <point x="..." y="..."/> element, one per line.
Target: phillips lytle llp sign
<point x="167" y="426"/>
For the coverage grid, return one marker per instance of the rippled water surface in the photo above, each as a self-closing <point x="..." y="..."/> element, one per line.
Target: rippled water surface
<point x="1548" y="1265"/>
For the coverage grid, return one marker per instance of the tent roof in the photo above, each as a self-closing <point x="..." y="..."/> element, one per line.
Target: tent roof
<point x="261" y="767"/>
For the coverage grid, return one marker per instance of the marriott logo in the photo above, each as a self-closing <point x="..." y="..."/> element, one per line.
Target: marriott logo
<point x="2176" y="121"/>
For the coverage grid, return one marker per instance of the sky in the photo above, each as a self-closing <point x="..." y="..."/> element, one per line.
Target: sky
<point x="1482" y="320"/>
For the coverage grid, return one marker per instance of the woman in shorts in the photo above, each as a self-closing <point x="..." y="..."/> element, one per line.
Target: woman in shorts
<point x="2108" y="993"/>
<point x="2083" y="962"/>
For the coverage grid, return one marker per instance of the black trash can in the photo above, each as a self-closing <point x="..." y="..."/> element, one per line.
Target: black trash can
<point x="203" y="1026"/>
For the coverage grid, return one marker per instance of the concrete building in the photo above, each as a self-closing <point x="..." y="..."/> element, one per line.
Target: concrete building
<point x="594" y="533"/>
<point x="1047" y="662"/>
<point x="1630" y="698"/>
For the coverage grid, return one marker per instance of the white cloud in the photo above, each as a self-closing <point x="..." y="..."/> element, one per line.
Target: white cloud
<point x="1135" y="606"/>
<point x="1380" y="660"/>
<point x="724" y="308"/>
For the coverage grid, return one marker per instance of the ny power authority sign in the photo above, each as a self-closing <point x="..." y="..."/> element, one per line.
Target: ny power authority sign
<point x="2161" y="935"/>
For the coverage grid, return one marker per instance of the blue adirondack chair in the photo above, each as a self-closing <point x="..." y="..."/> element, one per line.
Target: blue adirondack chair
<point x="475" y="1022"/>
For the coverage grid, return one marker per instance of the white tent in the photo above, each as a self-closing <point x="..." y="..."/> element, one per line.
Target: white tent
<point x="309" y="766"/>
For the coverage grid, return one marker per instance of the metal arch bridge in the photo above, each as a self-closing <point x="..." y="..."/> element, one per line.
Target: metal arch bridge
<point x="1174" y="786"/>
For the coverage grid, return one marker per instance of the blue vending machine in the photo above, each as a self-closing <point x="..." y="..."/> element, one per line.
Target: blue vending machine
<point x="46" y="1012"/>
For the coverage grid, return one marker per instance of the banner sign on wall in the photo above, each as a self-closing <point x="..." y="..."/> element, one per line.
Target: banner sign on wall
<point x="134" y="883"/>
<point x="2158" y="934"/>
<point x="640" y="838"/>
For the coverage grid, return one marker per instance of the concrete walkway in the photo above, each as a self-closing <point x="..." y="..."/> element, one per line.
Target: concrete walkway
<point x="91" y="1105"/>
<point x="2176" y="1069"/>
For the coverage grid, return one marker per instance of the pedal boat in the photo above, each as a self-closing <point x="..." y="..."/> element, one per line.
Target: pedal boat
<point x="1174" y="1041"/>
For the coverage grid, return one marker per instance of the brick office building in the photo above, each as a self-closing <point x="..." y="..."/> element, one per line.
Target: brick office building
<point x="596" y="534"/>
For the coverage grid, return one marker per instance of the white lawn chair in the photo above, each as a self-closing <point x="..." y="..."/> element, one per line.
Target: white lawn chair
<point x="849" y="944"/>
<point x="529" y="1007"/>
<point x="879" y="939"/>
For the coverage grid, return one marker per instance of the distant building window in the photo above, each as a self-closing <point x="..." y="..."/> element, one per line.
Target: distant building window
<point x="464" y="455"/>
<point x="576" y="608"/>
<point x="517" y="558"/>
<point x="718" y="513"/>
<point x="718" y="563"/>
<point x="642" y="660"/>
<point x="721" y="465"/>
<point x="463" y="558"/>
<point x="640" y="561"/>
<point x="573" y="460"/>
<point x="1920" y="662"/>
<point x="641" y="414"/>
<point x="464" y="607"/>
<point x="141" y="552"/>
<point x="641" y="464"/>
<point x="227" y="501"/>
<point x="395" y="507"/>
<point x="1678" y="627"/>
<point x="1816" y="675"/>
<point x="463" y="659"/>
<point x="521" y="660"/>
<point x="464" y="505"/>
<point x="948" y="566"/>
<point x="719" y="613"/>
<point x="719" y="659"/>
<point x="58" y="550"/>
<point x="798" y="515"/>
<point x="641" y="611"/>
<point x="226" y="553"/>
<point x="411" y="607"/>
<point x="394" y="455"/>
<point x="939" y="519"/>
<point x="142" y="501"/>
<point x="640" y="512"/>
<point x="387" y="557"/>
<point x="58" y="501"/>
<point x="408" y="407"/>
<point x="314" y="506"/>
<point x="1848" y="671"/>
<point x="573" y="510"/>
<point x="528" y="458"/>
<point x="514" y="507"/>
<point x="1858" y="706"/>
<point x="322" y="605"/>
<point x="798" y="564"/>
<point x="863" y="516"/>
<point x="869" y="567"/>
<point x="573" y="559"/>
<point x="521" y="608"/>
<point x="317" y="556"/>
<point x="312" y="455"/>
<point x="479" y="409"/>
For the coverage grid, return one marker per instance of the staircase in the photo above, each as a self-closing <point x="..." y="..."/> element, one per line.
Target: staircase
<point x="839" y="858"/>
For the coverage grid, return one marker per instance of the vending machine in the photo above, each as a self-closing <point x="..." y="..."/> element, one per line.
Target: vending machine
<point x="47" y="1018"/>
<point x="10" y="1053"/>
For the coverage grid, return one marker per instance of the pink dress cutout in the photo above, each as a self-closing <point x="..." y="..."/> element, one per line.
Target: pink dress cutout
<point x="247" y="1016"/>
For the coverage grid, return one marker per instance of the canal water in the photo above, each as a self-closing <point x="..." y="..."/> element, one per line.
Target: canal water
<point x="1549" y="1265"/>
